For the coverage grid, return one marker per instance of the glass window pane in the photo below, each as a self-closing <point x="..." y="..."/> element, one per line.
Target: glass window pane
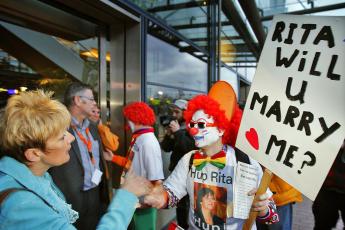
<point x="44" y="61"/>
<point x="188" y="17"/>
<point x="159" y="98"/>
<point x="168" y="66"/>
<point x="230" y="77"/>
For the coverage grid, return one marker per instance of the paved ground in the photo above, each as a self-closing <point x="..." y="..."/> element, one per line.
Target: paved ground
<point x="303" y="218"/>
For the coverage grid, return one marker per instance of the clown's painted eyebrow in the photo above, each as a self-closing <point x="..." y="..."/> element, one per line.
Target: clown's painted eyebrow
<point x="203" y="119"/>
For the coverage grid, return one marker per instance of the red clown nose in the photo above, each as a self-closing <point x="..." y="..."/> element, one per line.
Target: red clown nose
<point x="193" y="131"/>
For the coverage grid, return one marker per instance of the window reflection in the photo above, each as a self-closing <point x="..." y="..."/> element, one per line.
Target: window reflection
<point x="167" y="65"/>
<point x="159" y="98"/>
<point x="39" y="60"/>
<point x="189" y="21"/>
<point x="230" y="76"/>
<point x="87" y="50"/>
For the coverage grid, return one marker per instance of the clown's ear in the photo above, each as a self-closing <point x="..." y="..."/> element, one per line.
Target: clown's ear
<point x="225" y="95"/>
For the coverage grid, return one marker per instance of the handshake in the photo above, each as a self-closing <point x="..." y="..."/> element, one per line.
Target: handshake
<point x="150" y="194"/>
<point x="154" y="194"/>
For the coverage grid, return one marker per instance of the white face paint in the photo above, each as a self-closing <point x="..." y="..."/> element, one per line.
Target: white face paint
<point x="207" y="135"/>
<point x="131" y="126"/>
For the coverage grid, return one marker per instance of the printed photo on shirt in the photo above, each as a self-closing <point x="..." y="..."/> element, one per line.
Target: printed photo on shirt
<point x="209" y="206"/>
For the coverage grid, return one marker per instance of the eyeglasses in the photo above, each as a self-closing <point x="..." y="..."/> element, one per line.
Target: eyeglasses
<point x="200" y="124"/>
<point x="89" y="98"/>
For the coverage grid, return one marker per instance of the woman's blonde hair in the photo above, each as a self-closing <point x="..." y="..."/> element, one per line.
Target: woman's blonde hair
<point x="29" y="120"/>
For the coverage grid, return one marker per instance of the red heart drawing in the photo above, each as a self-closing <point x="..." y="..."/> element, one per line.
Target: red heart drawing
<point x="252" y="137"/>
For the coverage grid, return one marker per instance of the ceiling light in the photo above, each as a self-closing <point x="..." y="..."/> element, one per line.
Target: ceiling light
<point x="93" y="53"/>
<point x="23" y="88"/>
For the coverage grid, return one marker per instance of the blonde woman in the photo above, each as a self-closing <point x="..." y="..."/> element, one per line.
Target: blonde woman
<point x="34" y="138"/>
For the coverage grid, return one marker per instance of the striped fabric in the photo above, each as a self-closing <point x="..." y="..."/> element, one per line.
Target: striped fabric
<point x="200" y="160"/>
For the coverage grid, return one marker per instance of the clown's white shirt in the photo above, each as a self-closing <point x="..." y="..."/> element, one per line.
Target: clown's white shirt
<point x="182" y="182"/>
<point x="147" y="161"/>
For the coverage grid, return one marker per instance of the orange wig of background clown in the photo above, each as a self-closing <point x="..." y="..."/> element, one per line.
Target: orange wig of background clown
<point x="139" y="113"/>
<point x="221" y="104"/>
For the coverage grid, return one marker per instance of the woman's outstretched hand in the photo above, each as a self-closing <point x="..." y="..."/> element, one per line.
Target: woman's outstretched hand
<point x="157" y="198"/>
<point x="137" y="185"/>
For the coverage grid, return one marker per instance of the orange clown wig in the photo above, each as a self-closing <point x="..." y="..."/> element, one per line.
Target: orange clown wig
<point x="212" y="108"/>
<point x="139" y="113"/>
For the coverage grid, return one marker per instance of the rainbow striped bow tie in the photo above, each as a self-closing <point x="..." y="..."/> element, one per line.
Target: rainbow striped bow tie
<point x="218" y="160"/>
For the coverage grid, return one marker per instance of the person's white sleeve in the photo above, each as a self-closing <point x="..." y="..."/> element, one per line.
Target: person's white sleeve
<point x="152" y="159"/>
<point x="178" y="179"/>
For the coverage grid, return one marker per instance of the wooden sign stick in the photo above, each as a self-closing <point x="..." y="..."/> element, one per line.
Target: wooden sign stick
<point x="265" y="182"/>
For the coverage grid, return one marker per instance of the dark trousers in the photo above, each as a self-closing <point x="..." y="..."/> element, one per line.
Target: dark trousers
<point x="326" y="209"/>
<point x="182" y="211"/>
<point x="90" y="214"/>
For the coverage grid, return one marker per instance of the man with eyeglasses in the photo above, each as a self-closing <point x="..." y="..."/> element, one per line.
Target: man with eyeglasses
<point x="178" y="140"/>
<point x="82" y="179"/>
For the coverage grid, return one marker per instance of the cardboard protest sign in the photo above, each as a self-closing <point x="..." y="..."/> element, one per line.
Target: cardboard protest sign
<point x="294" y="118"/>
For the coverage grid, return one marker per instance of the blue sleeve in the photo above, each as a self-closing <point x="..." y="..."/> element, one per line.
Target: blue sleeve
<point x="120" y="211"/>
<point x="25" y="210"/>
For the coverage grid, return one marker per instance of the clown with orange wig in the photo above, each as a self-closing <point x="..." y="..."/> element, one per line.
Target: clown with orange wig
<point x="144" y="155"/>
<point x="213" y="121"/>
<point x="144" y="149"/>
